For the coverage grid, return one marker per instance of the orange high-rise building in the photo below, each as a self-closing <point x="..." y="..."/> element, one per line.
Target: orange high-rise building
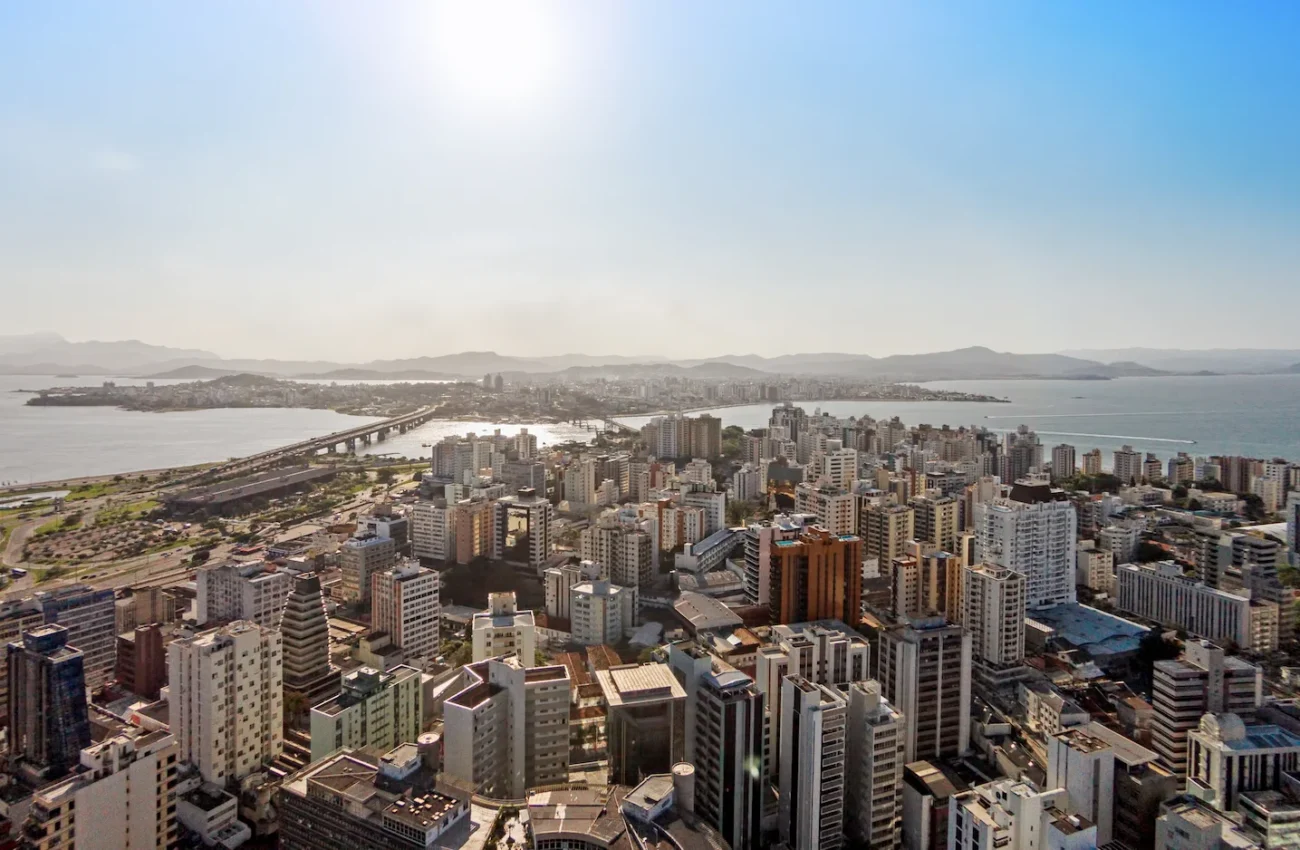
<point x="817" y="577"/>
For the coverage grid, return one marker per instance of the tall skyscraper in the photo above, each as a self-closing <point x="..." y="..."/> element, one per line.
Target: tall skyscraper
<point x="817" y="577"/>
<point x="227" y="699"/>
<point x="925" y="672"/>
<point x="1063" y="465"/>
<point x="994" y="615"/>
<point x="48" y="719"/>
<point x="306" y="641"/>
<point x="885" y="530"/>
<point x="873" y="804"/>
<point x="90" y="617"/>
<point x="810" y="813"/>
<point x="1031" y="533"/>
<point x="523" y="528"/>
<point x="405" y="602"/>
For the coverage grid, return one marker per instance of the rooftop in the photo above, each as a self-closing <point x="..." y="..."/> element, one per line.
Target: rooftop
<point x="1088" y="628"/>
<point x="627" y="684"/>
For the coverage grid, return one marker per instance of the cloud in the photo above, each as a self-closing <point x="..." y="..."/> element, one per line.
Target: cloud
<point x="115" y="162"/>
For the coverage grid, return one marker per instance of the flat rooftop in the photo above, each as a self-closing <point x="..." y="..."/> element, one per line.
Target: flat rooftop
<point x="630" y="684"/>
<point x="1096" y="631"/>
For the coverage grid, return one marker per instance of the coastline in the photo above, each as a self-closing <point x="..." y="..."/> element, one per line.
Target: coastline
<point x="616" y="417"/>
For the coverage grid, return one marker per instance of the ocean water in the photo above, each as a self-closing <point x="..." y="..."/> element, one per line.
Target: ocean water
<point x="54" y="443"/>
<point x="1250" y="415"/>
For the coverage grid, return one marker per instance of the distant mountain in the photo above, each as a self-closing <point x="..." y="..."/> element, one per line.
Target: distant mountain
<point x="193" y="373"/>
<point x="651" y="370"/>
<point x="356" y="374"/>
<point x="1218" y="360"/>
<point x="20" y="353"/>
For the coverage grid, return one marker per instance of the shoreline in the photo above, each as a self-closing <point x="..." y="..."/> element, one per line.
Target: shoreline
<point x="619" y="416"/>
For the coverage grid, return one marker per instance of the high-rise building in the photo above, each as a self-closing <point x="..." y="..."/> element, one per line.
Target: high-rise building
<point x="1293" y="526"/>
<point x="758" y="541"/>
<point x="1084" y="766"/>
<point x="1121" y="540"/>
<point x="1182" y="470"/>
<point x="141" y="661"/>
<point x="1011" y="814"/>
<point x="403" y="812"/>
<point x="601" y="612"/>
<point x="473" y="529"/>
<point x="1091" y="462"/>
<point x="810" y="806"/>
<point x="306" y="642"/>
<point x="523" y="528"/>
<point x="90" y="617"/>
<point x="1094" y="568"/>
<point x="508" y="729"/>
<point x="925" y="672"/>
<point x="645" y="724"/>
<point x="16" y="617"/>
<point x="817" y="577"/>
<point x="873" y="802"/>
<point x="704" y="436"/>
<point x="1063" y="465"/>
<point x="433" y="530"/>
<point x="405" y="602"/>
<point x="48" y="717"/>
<point x="1162" y="593"/>
<point x="1227" y="758"/>
<point x="712" y="501"/>
<point x="361" y="557"/>
<point x="227" y="699"/>
<point x="558" y="583"/>
<point x="837" y="467"/>
<point x="994" y="615"/>
<point x="627" y="551"/>
<point x="936" y="520"/>
<point x="1204" y="680"/>
<point x="885" y="530"/>
<point x="234" y="591"/>
<point x="926" y="584"/>
<point x="373" y="711"/>
<point x="1127" y="465"/>
<point x="724" y="741"/>
<point x="122" y="797"/>
<point x="835" y="508"/>
<point x="525" y="444"/>
<point x="504" y="630"/>
<point x="1031" y="533"/>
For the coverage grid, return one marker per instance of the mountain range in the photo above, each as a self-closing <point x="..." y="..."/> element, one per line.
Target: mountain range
<point x="46" y="354"/>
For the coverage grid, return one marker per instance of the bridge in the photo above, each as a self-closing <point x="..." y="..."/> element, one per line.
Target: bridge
<point x="347" y="440"/>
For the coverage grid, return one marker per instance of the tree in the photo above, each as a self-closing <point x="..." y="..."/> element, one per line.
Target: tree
<point x="738" y="512"/>
<point x="385" y="476"/>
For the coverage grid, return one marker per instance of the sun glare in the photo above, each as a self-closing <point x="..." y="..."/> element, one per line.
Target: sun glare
<point x="497" y="52"/>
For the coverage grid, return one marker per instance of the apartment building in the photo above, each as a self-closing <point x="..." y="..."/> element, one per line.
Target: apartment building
<point x="817" y="577"/>
<point x="232" y="591"/>
<point x="508" y="730"/>
<point x="810" y="808"/>
<point x="304" y="631"/>
<point x="925" y="672"/>
<point x="523" y="528"/>
<point x="1094" y="568"/>
<point x="361" y="557"/>
<point x="645" y="724"/>
<point x="1204" y="680"/>
<point x="90" y="617"/>
<point x="994" y="615"/>
<point x="927" y="583"/>
<point x="1032" y="533"/>
<point x="433" y="530"/>
<point x="873" y="800"/>
<point x="834" y="507"/>
<point x="373" y="710"/>
<point x="558" y="584"/>
<point x="405" y="602"/>
<point x="601" y="612"/>
<point x="1161" y="593"/>
<point x="936" y="520"/>
<point x="504" y="630"/>
<point x="885" y="530"/>
<point x="48" y="716"/>
<point x="758" y="540"/>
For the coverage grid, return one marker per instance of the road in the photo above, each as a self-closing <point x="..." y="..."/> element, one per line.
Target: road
<point x="13" y="553"/>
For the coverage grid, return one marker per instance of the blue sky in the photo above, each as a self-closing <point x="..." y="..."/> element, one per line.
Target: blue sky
<point x="352" y="181"/>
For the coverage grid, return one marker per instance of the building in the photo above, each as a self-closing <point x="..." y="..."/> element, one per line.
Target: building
<point x="1127" y="465"/>
<point x="834" y="507"/>
<point x="1011" y="815"/>
<point x="749" y="483"/>
<point x="1225" y="758"/>
<point x="713" y="502"/>
<point x="645" y="724"/>
<point x="1095" y="569"/>
<point x="508" y="730"/>
<point x="433" y="530"/>
<point x="1121" y="540"/>
<point x="758" y="539"/>
<point x="724" y="723"/>
<point x="558" y="584"/>
<point x="1031" y="533"/>
<point x="1204" y="680"/>
<point x="1162" y="593"/>
<point x="90" y="617"/>
<point x="405" y="603"/>
<point x="122" y="797"/>
<point x="937" y="519"/>
<point x="1181" y="470"/>
<point x="361" y="557"/>
<point x="817" y="577"/>
<point x="227" y="699"/>
<point x="873" y="800"/>
<point x="1084" y="766"/>
<point x="993" y="613"/>
<point x="927" y="584"/>
<point x="1091" y="462"/>
<point x="234" y="591"/>
<point x="1187" y="823"/>
<point x="504" y="630"/>
<point x="142" y="661"/>
<point x="629" y="553"/>
<point x="356" y="801"/>
<point x="1063" y="465"/>
<point x="16" y="617"/>
<point x="48" y="718"/>
<point x="374" y="710"/>
<point x="885" y="530"/>
<point x="927" y="791"/>
<point x="812" y="770"/>
<point x="601" y="612"/>
<point x="523" y="528"/>
<point x="925" y="672"/>
<point x="304" y="630"/>
<point x="706" y="555"/>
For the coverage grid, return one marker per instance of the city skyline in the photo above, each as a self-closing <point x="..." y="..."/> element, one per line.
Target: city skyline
<point x="655" y="162"/>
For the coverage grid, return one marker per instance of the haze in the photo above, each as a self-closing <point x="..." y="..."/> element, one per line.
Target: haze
<point x="353" y="181"/>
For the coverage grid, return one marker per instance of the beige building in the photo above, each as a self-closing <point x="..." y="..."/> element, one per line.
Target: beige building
<point x="1095" y="569"/>
<point x="936" y="520"/>
<point x="885" y="530"/>
<point x="508" y="730"/>
<point x="994" y="615"/>
<point x="504" y="630"/>
<point x="361" y="557"/>
<point x="835" y="508"/>
<point x="405" y="603"/>
<point x="1205" y="679"/>
<point x="227" y="699"/>
<point x="374" y="710"/>
<point x="253" y="592"/>
<point x="123" y="798"/>
<point x="873" y="800"/>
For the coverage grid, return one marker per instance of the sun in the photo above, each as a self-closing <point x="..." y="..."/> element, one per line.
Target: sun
<point x="505" y="53"/>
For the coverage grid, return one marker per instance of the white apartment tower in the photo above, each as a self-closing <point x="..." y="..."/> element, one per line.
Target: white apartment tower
<point x="993" y="612"/>
<point x="558" y="583"/>
<point x="360" y="557"/>
<point x="876" y="742"/>
<point x="433" y="530"/>
<point x="405" y="603"/>
<point x="374" y="710"/>
<point x="508" y="729"/>
<point x="227" y="699"/>
<point x="254" y="592"/>
<point x="504" y="630"/>
<point x="1084" y="765"/>
<point x="601" y="612"/>
<point x="813" y="719"/>
<point x="1031" y="533"/>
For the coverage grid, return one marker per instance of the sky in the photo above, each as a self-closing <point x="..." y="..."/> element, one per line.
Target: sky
<point x="352" y="181"/>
